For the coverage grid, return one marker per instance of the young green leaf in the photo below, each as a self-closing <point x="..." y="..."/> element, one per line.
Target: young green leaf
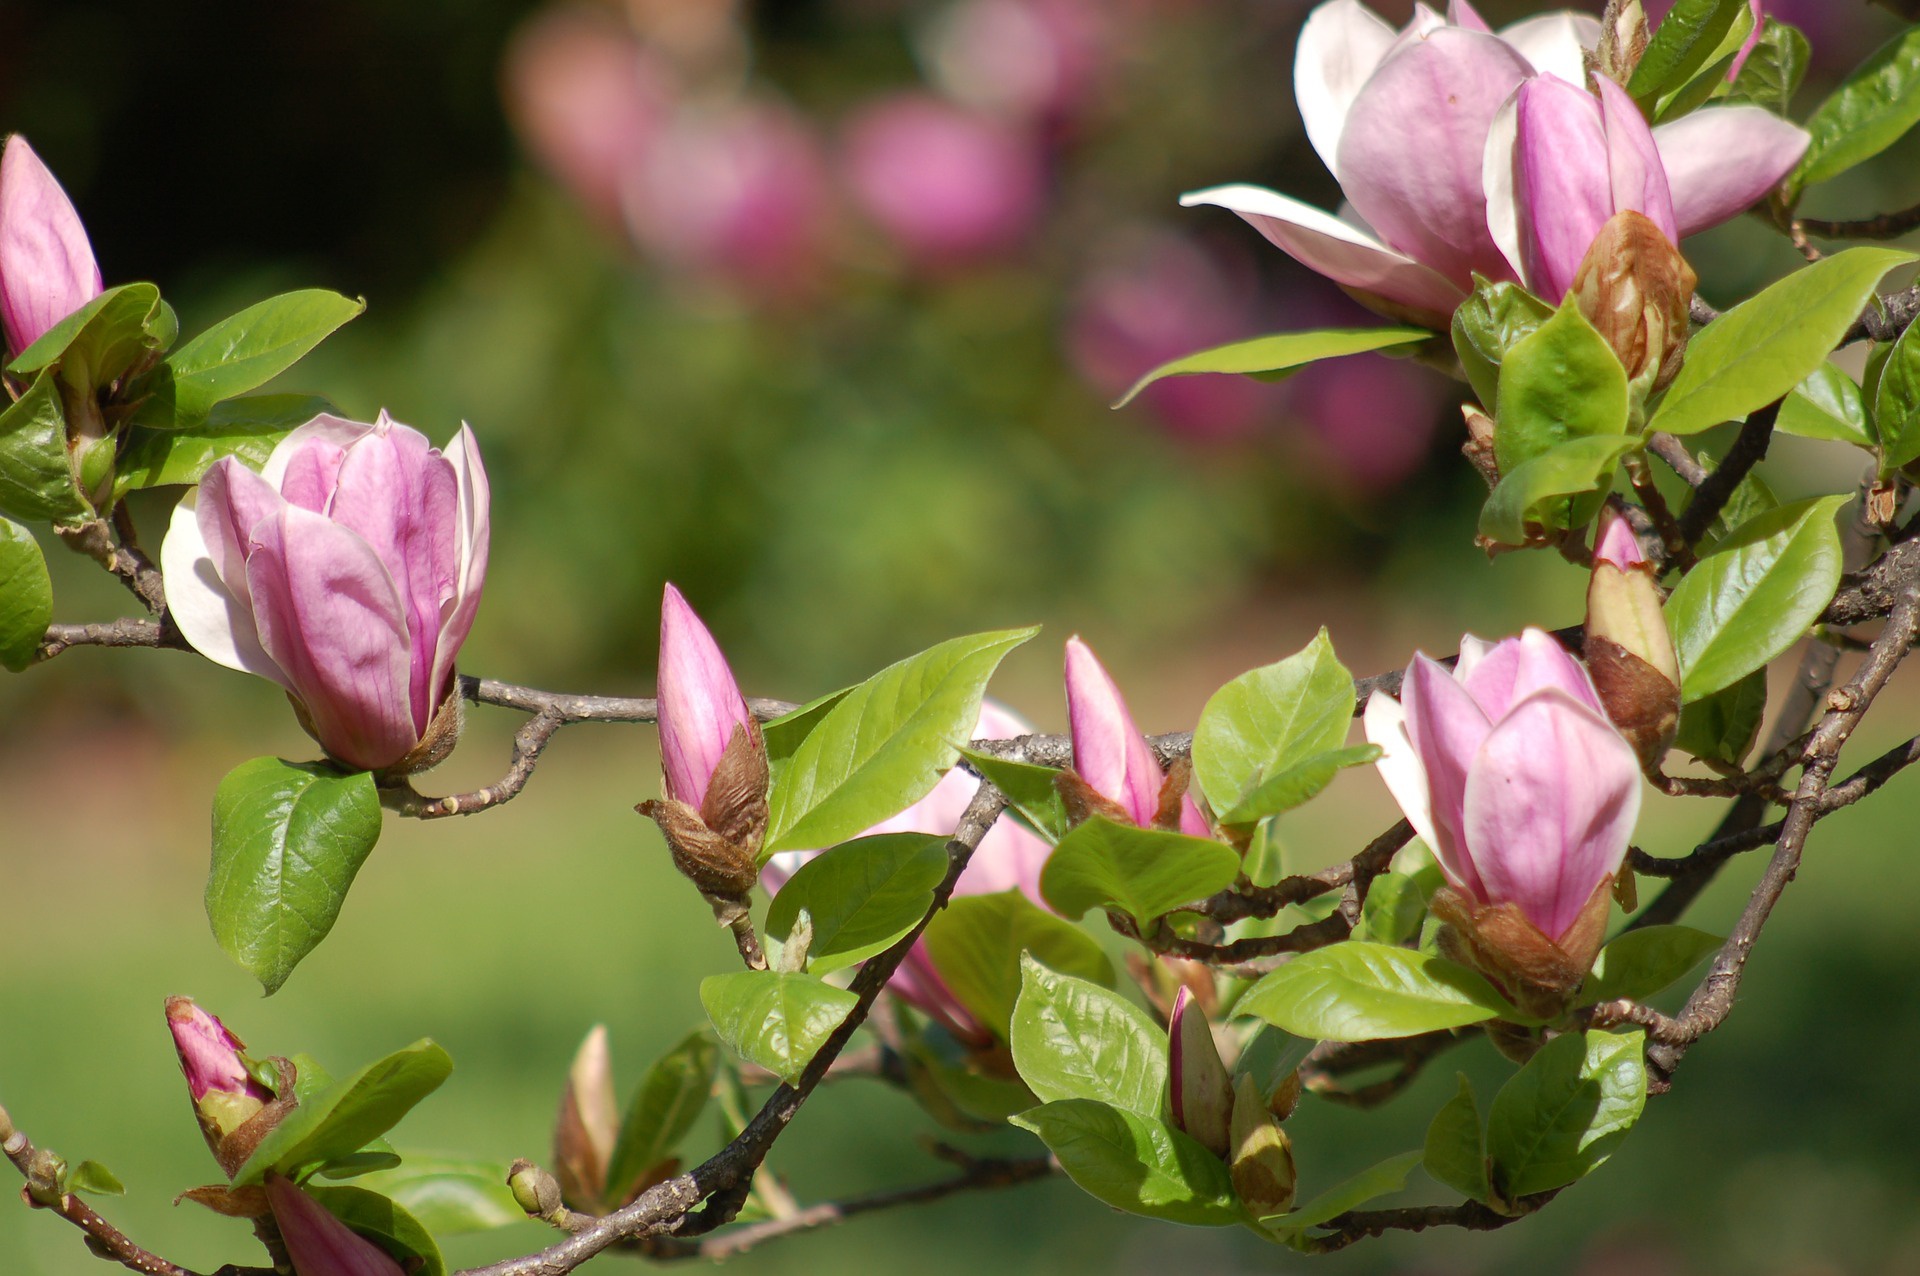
<point x="1755" y="594"/>
<point x="775" y="1019"/>
<point x="1681" y="45"/>
<point x="95" y="344"/>
<point x="1356" y="991"/>
<point x="26" y="596"/>
<point x="1896" y="403"/>
<point x="1270" y="719"/>
<point x="862" y="896"/>
<point x="1075" y="1040"/>
<point x="1641" y="962"/>
<point x="1497" y="317"/>
<point x="1395" y="904"/>
<point x="1765" y="346"/>
<point x="1711" y="78"/>
<point x="1380" y="1180"/>
<point x="1563" y="1114"/>
<point x="1135" y="1163"/>
<point x="1870" y="111"/>
<point x="1031" y="790"/>
<point x="288" y="839"/>
<point x="670" y="1098"/>
<point x="1827" y="405"/>
<point x="1145" y="872"/>
<point x="238" y="354"/>
<point x="884" y="744"/>
<point x="1721" y="727"/>
<point x="387" y="1223"/>
<point x="36" y="482"/>
<point x="94" y="1179"/>
<point x="1558" y="489"/>
<point x="1773" y="71"/>
<point x="342" y="1119"/>
<point x="450" y="1195"/>
<point x="1280" y="354"/>
<point x="976" y="942"/>
<point x="1562" y="382"/>
<point x="1282" y="791"/>
<point x="1456" y="1151"/>
<point x="247" y="428"/>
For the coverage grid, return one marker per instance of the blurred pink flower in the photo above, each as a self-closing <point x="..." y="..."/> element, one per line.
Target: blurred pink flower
<point x="47" y="269"/>
<point x="1372" y="417"/>
<point x="946" y="184"/>
<point x="1030" y="59"/>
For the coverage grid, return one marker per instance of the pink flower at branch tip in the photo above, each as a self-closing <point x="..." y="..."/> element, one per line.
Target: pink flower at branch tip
<point x="1406" y="121"/>
<point x="349" y="571"/>
<point x="209" y="1053"/>
<point x="1110" y="753"/>
<point x="1507" y="767"/>
<point x="47" y="270"/>
<point x="700" y="703"/>
<point x="318" y="1243"/>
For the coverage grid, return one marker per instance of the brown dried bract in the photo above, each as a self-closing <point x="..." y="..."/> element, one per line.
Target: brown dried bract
<point x="1637" y="290"/>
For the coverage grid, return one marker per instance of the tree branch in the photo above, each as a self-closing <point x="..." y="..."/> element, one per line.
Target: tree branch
<point x="1712" y="493"/>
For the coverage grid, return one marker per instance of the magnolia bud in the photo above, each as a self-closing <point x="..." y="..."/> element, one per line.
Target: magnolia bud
<point x="1637" y="290"/>
<point x="1202" y="1097"/>
<point x="1537" y="974"/>
<point x="587" y="1125"/>
<point x="534" y="1190"/>
<point x="1629" y="650"/>
<point x="1623" y="39"/>
<point x="1285" y="1097"/>
<point x="1262" y="1164"/>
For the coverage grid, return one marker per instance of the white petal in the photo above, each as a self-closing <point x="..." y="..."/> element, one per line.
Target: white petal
<point x="1496" y="176"/>
<point x="1340" y="46"/>
<point x="1722" y="159"/>
<point x="1385" y="724"/>
<point x="1472" y="651"/>
<point x="1556" y="43"/>
<point x="215" y="622"/>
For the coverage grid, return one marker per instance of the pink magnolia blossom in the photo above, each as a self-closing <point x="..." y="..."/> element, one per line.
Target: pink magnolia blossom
<point x="209" y="1054"/>
<point x="1509" y="770"/>
<point x="1009" y="857"/>
<point x="1406" y="122"/>
<point x="47" y="269"/>
<point x="318" y="1243"/>
<point x="1026" y="59"/>
<point x="348" y="571"/>
<point x="700" y="703"/>
<point x="1109" y="752"/>
<point x="946" y="184"/>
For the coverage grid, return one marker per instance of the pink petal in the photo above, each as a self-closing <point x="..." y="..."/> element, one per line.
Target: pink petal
<point x="1550" y="806"/>
<point x="1722" y="160"/>
<point x="1752" y="41"/>
<point x="1634" y="170"/>
<point x="1518" y="667"/>
<point x="1446" y="729"/>
<point x="209" y="1054"/>
<point x="215" y="622"/>
<point x="1341" y="44"/>
<point x="315" y="450"/>
<point x="330" y="617"/>
<point x="1348" y="256"/>
<point x="1108" y="750"/>
<point x="700" y="703"/>
<point x="318" y="1243"/>
<point x="1414" y="146"/>
<point x="1617" y="543"/>
<point x="917" y="981"/>
<point x="1462" y="14"/>
<point x="1561" y="180"/>
<point x="47" y="270"/>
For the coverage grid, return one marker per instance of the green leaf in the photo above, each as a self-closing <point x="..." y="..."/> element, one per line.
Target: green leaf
<point x="288" y="839"/>
<point x="1773" y="71"/>
<point x="1380" y="1180"/>
<point x="1685" y="39"/>
<point x="1563" y="1114"/>
<point x="1355" y="991"/>
<point x="862" y="896"/>
<point x="1538" y="493"/>
<point x="1135" y="1163"/>
<point x="385" y="1222"/>
<point x="26" y="596"/>
<point x="1297" y="785"/>
<point x="1765" y="346"/>
<point x="774" y="1018"/>
<point x="976" y="942"/>
<point x="359" y="1164"/>
<point x="885" y="744"/>
<point x="1641" y="962"/>
<point x="1827" y="405"/>
<point x="1755" y="594"/>
<point x="1561" y="382"/>
<point x="1456" y="1152"/>
<point x="1280" y="353"/>
<point x="94" y="1179"/>
<point x="247" y="428"/>
<point x="450" y="1195"/>
<point x="36" y="482"/>
<point x="1145" y="872"/>
<point x="95" y="344"/>
<point x="1869" y="112"/>
<point x="1269" y="720"/>
<point x="1029" y="788"/>
<point x="346" y="1116"/>
<point x="1711" y="78"/>
<point x="1721" y="727"/>
<point x="1896" y="403"/>
<point x="238" y="354"/>
<point x="1395" y="904"/>
<point x="1497" y="317"/>
<point x="669" y="1100"/>
<point x="1075" y="1040"/>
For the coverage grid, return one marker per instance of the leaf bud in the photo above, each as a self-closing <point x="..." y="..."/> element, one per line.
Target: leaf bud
<point x="1629" y="651"/>
<point x="534" y="1189"/>
<point x="587" y="1125"/>
<point x="45" y="1173"/>
<point x="1201" y="1096"/>
<point x="1285" y="1097"/>
<point x="1262" y="1164"/>
<point x="1636" y="289"/>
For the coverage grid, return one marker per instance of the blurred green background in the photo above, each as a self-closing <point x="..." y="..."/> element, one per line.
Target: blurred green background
<point x="814" y="307"/>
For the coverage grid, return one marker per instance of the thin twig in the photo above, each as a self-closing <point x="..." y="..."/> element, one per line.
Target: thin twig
<point x="103" y="1237"/>
<point x="1678" y="459"/>
<point x="1713" y="493"/>
<point x="1885" y="226"/>
<point x="1358" y="1225"/>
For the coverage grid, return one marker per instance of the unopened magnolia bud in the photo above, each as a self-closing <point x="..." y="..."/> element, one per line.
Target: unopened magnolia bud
<point x="1628" y="648"/>
<point x="1623" y="39"/>
<point x="534" y="1189"/>
<point x="587" y="1125"/>
<point x="1201" y="1094"/>
<point x="45" y="1170"/>
<point x="1285" y="1097"/>
<point x="715" y="864"/>
<point x="1262" y="1161"/>
<point x="1637" y="290"/>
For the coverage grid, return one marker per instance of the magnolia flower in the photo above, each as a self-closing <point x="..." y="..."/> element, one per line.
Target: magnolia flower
<point x="348" y="571"/>
<point x="318" y="1243"/>
<point x="1406" y="122"/>
<point x="1009" y="857"/>
<point x="1509" y="770"/>
<point x="225" y="1095"/>
<point x="47" y="269"/>
<point x="1114" y="759"/>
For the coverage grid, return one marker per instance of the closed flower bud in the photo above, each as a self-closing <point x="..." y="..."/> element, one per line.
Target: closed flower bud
<point x="587" y="1125"/>
<point x="534" y="1190"/>
<point x="1118" y="775"/>
<point x="225" y="1095"/>
<point x="1623" y="39"/>
<point x="348" y="571"/>
<point x="1262" y="1156"/>
<point x="47" y="269"/>
<point x="1629" y="650"/>
<point x="318" y="1243"/>
<point x="1201" y="1096"/>
<point x="1636" y="289"/>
